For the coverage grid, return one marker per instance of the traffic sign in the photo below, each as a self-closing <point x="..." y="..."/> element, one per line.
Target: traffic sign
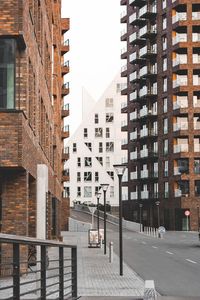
<point x="187" y="213"/>
<point x="161" y="229"/>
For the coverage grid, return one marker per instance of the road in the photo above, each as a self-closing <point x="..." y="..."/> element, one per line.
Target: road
<point x="173" y="262"/>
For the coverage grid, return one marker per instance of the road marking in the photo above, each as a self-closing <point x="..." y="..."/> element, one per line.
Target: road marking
<point x="192" y="261"/>
<point x="154" y="247"/>
<point x="144" y="243"/>
<point x="169" y="252"/>
<point x="135" y="239"/>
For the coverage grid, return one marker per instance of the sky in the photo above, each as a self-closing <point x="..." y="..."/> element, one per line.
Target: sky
<point x="95" y="50"/>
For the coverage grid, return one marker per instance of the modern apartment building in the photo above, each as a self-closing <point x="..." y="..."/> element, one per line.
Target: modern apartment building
<point x="32" y="110"/>
<point x="96" y="147"/>
<point x="163" y="109"/>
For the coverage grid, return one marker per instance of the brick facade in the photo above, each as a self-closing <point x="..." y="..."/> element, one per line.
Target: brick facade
<point x="30" y="132"/>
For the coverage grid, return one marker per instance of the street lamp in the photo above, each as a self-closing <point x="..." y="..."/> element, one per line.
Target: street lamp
<point x="198" y="218"/>
<point x="104" y="187"/>
<point x="158" y="212"/>
<point x="140" y="206"/>
<point x="98" y="195"/>
<point x="120" y="171"/>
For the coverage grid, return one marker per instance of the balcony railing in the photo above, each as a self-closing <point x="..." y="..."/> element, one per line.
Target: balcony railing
<point x="133" y="135"/>
<point x="179" y="39"/>
<point x="180" y="126"/>
<point x="143" y="132"/>
<point x="180" y="104"/>
<point x="134" y="175"/>
<point x="179" y="17"/>
<point x="144" y="194"/>
<point x="196" y="37"/>
<point x="133" y="96"/>
<point x="196" y="15"/>
<point x="133" y="155"/>
<point x="196" y="148"/>
<point x="180" y="148"/>
<point x="144" y="153"/>
<point x="133" y="115"/>
<point x="179" y="82"/>
<point x="144" y="174"/>
<point x="124" y="142"/>
<point x="36" y="272"/>
<point x="134" y="195"/>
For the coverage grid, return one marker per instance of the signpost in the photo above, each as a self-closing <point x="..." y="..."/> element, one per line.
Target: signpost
<point x="187" y="214"/>
<point x="92" y="210"/>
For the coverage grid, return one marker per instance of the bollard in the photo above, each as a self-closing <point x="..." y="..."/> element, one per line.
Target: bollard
<point x="110" y="252"/>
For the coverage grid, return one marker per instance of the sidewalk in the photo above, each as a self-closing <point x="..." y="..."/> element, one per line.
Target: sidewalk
<point x="98" y="277"/>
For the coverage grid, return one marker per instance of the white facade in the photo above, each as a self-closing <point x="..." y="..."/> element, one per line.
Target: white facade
<point x="96" y="147"/>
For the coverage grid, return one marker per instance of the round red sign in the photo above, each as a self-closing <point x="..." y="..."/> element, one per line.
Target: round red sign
<point x="187" y="213"/>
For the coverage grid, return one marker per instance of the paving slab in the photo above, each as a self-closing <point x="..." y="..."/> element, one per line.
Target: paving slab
<point x="98" y="277"/>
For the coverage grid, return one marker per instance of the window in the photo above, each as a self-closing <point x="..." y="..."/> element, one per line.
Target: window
<point x="98" y="132"/>
<point x="109" y="147"/>
<point x="111" y="191"/>
<point x="155" y="190"/>
<point x="85" y="134"/>
<point x="7" y="73"/>
<point x="100" y="160"/>
<point x="197" y="166"/>
<point x="164" y="21"/>
<point x="164" y="84"/>
<point x="78" y="176"/>
<point x="74" y="148"/>
<point x="166" y="168"/>
<point x="97" y="189"/>
<point x="89" y="145"/>
<point x="109" y="117"/>
<point x="165" y="126"/>
<point x="88" y="161"/>
<point x="164" y="42"/>
<point x="111" y="174"/>
<point x="87" y="191"/>
<point x="109" y="102"/>
<point x="166" y="189"/>
<point x="165" y="105"/>
<point x="100" y="147"/>
<point x="96" y="176"/>
<point x="78" y="191"/>
<point x="96" y="118"/>
<point x="87" y="176"/>
<point x="164" y="64"/>
<point x="78" y="162"/>
<point x="107" y="162"/>
<point x="165" y="147"/>
<point x="66" y="192"/>
<point x="197" y="188"/>
<point x="107" y="132"/>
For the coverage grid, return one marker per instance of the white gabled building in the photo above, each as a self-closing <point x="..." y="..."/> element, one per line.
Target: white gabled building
<point x="96" y="147"/>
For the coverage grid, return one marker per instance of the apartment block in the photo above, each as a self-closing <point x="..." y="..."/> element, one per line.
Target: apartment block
<point x="162" y="57"/>
<point x="95" y="147"/>
<point x="32" y="111"/>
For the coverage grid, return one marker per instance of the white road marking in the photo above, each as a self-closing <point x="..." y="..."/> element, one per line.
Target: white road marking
<point x="192" y="261"/>
<point x="169" y="252"/>
<point x="135" y="239"/>
<point x="154" y="247"/>
<point x="144" y="243"/>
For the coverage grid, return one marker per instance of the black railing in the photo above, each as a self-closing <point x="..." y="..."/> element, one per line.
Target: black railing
<point x="37" y="269"/>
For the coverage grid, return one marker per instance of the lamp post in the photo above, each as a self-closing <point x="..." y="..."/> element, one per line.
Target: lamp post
<point x="98" y="195"/>
<point x="198" y="218"/>
<point x="140" y="206"/>
<point x="158" y="212"/>
<point x="104" y="187"/>
<point x="120" y="171"/>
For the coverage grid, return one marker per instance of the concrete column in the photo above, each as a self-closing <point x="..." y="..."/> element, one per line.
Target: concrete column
<point x="42" y="194"/>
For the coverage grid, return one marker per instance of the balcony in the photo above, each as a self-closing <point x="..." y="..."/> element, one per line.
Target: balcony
<point x="196" y="37"/>
<point x="133" y="175"/>
<point x="180" y="104"/>
<point x="179" y="17"/>
<point x="133" y="135"/>
<point x="179" y="61"/>
<point x="65" y="68"/>
<point x="123" y="2"/>
<point x="124" y="107"/>
<point x="136" y="39"/>
<point x="123" y="16"/>
<point x="148" y="12"/>
<point x="124" y="88"/>
<point x="144" y="194"/>
<point x="179" y="82"/>
<point x="124" y="143"/>
<point x="177" y="193"/>
<point x="65" y="47"/>
<point x="65" y="175"/>
<point x="181" y="38"/>
<point x="148" y="71"/>
<point x="180" y="148"/>
<point x="65" y="132"/>
<point x="196" y="15"/>
<point x="144" y="174"/>
<point x="148" y="32"/>
<point x="65" y="111"/>
<point x="196" y="148"/>
<point x="65" y="25"/>
<point x="65" y="154"/>
<point x="147" y="92"/>
<point x="124" y="125"/>
<point x="123" y="35"/>
<point x="133" y="96"/>
<point x="143" y="153"/>
<point x="135" y="20"/>
<point x="124" y="71"/>
<point x="134" y="77"/>
<point x="137" y="2"/>
<point x="180" y="126"/>
<point x="133" y="115"/>
<point x="65" y="89"/>
<point x="135" y="58"/>
<point x="148" y="52"/>
<point x="143" y="132"/>
<point x="134" y="195"/>
<point x="133" y="155"/>
<point x="124" y="53"/>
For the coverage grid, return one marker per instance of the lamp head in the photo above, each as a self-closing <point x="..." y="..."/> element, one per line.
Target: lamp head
<point x="119" y="169"/>
<point x="104" y="186"/>
<point x="157" y="203"/>
<point x="98" y="195"/>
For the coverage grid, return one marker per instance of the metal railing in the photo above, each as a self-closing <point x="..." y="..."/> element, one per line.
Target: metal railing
<point x="37" y="269"/>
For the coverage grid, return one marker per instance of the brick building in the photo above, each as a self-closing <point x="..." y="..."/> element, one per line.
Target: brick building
<point x="32" y="111"/>
<point x="163" y="110"/>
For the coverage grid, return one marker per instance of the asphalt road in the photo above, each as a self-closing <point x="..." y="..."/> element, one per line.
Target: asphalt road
<point x="172" y="262"/>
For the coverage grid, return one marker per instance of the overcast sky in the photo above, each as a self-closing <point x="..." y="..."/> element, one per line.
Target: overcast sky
<point x="95" y="49"/>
